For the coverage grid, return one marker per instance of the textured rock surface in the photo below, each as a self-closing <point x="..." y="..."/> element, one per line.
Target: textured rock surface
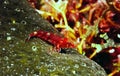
<point x="17" y="57"/>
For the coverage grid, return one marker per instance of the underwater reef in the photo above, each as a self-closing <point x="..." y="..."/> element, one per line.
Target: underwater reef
<point x="35" y="57"/>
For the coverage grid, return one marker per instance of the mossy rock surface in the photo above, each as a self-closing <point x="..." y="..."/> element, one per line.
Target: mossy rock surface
<point x="35" y="57"/>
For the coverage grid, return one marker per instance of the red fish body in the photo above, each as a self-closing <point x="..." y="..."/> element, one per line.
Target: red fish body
<point x="56" y="40"/>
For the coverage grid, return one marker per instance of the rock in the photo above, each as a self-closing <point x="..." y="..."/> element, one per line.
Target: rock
<point x="35" y="57"/>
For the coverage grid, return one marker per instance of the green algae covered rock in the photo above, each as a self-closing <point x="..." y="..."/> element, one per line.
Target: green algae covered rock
<point x="35" y="57"/>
